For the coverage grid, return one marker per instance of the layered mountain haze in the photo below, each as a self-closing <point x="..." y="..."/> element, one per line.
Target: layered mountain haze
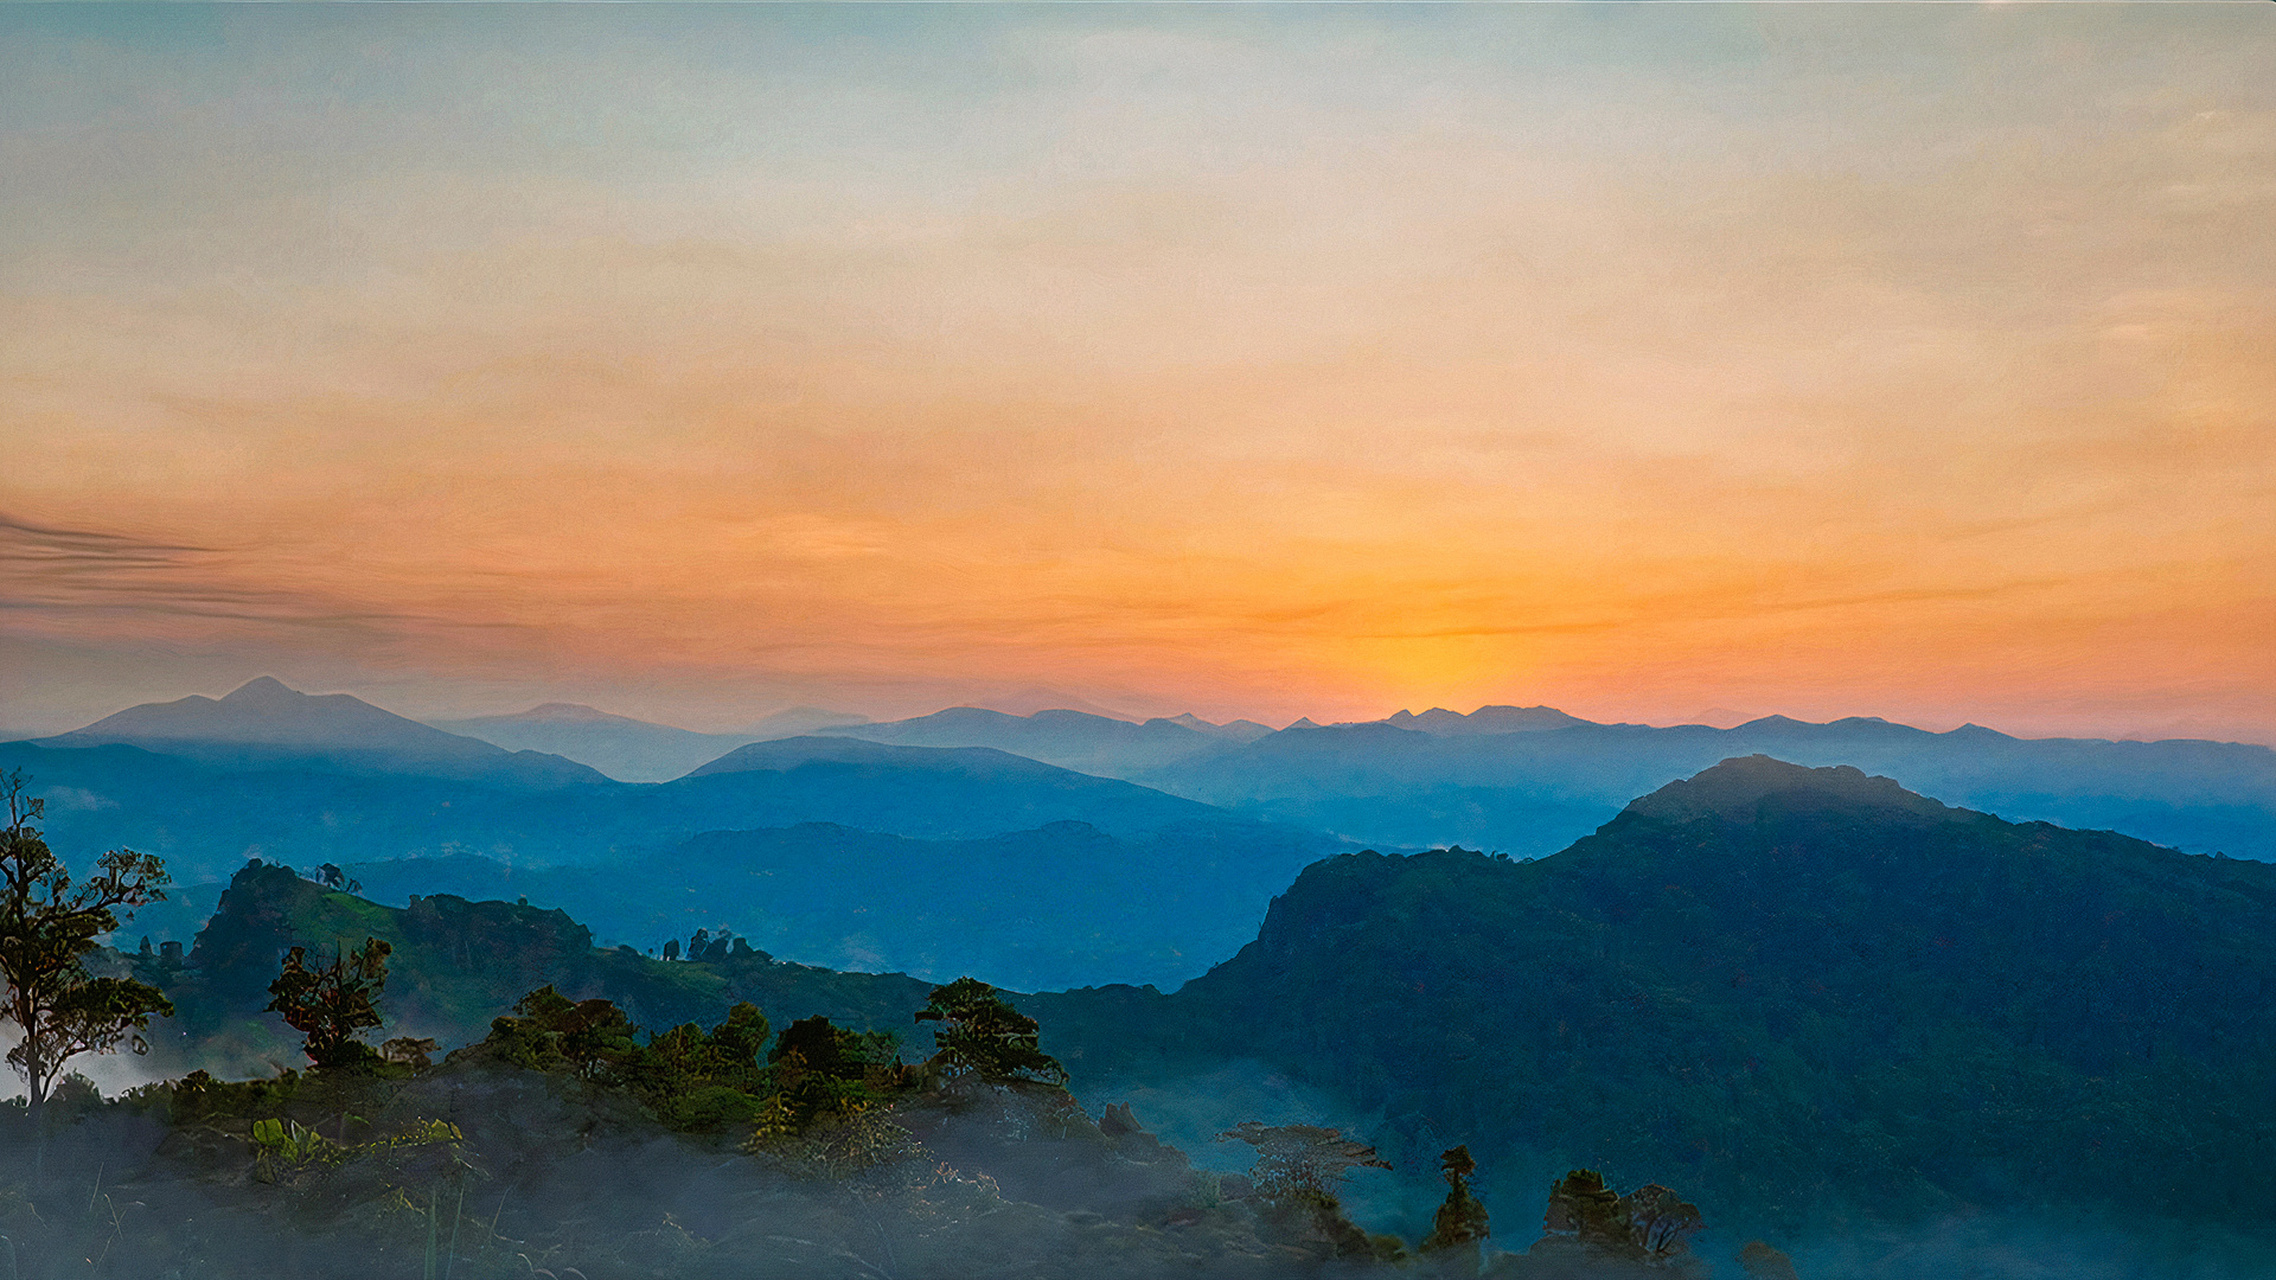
<point x="1064" y="904"/>
<point x="264" y="723"/>
<point x="1438" y="720"/>
<point x="858" y="854"/>
<point x="1808" y="998"/>
<point x="1438" y="779"/>
<point x="625" y="749"/>
<point x="923" y="791"/>
<point x="1530" y="780"/>
<point x="1069" y="739"/>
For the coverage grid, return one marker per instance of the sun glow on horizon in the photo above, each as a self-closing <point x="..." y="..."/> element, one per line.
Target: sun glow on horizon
<point x="1905" y="362"/>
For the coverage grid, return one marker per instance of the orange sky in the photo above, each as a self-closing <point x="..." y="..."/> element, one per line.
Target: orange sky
<point x="1648" y="362"/>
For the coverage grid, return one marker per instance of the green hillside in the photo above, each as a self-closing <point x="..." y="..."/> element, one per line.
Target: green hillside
<point x="1797" y="993"/>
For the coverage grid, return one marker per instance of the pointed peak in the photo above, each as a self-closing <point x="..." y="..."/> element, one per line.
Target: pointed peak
<point x="567" y="713"/>
<point x="1304" y="722"/>
<point x="263" y="689"/>
<point x="1741" y="789"/>
<point x="1777" y="722"/>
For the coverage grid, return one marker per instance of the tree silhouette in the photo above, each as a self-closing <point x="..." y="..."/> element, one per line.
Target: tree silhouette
<point x="47" y="927"/>
<point x="329" y="1004"/>
<point x="1461" y="1219"/>
<point x="1582" y="1208"/>
<point x="982" y="1035"/>
<point x="1297" y="1170"/>
<point x="1659" y="1222"/>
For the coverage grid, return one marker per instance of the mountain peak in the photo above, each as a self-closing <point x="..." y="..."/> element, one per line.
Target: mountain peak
<point x="262" y="689"/>
<point x="1739" y="789"/>
<point x="267" y="723"/>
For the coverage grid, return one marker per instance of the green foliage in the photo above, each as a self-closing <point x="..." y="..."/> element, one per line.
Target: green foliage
<point x="329" y="1004"/>
<point x="549" y="1032"/>
<point x="697" y="1080"/>
<point x="825" y="1072"/>
<point x="983" y="1035"/>
<point x="283" y="1146"/>
<point x="48" y="927"/>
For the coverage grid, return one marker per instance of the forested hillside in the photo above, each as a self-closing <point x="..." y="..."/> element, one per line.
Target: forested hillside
<point x="1795" y="992"/>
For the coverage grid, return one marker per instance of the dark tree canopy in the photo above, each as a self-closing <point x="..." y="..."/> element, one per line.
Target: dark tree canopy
<point x="1461" y="1219"/>
<point x="48" y="925"/>
<point x="1583" y="1208"/>
<point x="1660" y="1222"/>
<point x="982" y="1035"/>
<point x="1651" y="1222"/>
<point x="329" y="1003"/>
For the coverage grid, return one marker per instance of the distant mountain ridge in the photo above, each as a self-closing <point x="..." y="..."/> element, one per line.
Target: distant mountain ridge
<point x="264" y="722"/>
<point x="1064" y="904"/>
<point x="206" y="816"/>
<point x="621" y="747"/>
<point x="1438" y="720"/>
<point x="1530" y="780"/>
<point x="1069" y="739"/>
<point x="1534" y="790"/>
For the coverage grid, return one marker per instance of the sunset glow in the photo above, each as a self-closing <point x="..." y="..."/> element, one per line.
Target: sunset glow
<point x="1652" y="363"/>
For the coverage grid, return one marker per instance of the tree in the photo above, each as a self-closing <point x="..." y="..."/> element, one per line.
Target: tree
<point x="1659" y="1221"/>
<point x="1651" y="1222"/>
<point x="550" y="1032"/>
<point x="983" y="1035"/>
<point x="48" y="926"/>
<point x="1297" y="1170"/>
<point x="1461" y="1220"/>
<point x="1583" y="1208"/>
<point x="329" y="1004"/>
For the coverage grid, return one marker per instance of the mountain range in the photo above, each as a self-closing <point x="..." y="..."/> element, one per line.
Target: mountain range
<point x="1807" y="998"/>
<point x="630" y="750"/>
<point x="1528" y="781"/>
<point x="837" y="850"/>
<point x="264" y="724"/>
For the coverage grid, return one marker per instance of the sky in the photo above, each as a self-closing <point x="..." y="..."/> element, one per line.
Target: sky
<point x="1658" y="363"/>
